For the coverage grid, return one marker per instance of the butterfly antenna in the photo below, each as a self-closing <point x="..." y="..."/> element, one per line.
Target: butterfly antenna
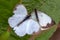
<point x="36" y="15"/>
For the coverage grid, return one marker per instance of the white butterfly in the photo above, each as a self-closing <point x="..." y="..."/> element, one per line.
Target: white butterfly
<point x="31" y="24"/>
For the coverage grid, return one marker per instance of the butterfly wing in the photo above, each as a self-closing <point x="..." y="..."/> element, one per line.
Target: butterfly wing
<point x="14" y="20"/>
<point x="20" y="9"/>
<point x="33" y="16"/>
<point x="44" y="19"/>
<point x="21" y="29"/>
<point x="19" y="15"/>
<point x="32" y="27"/>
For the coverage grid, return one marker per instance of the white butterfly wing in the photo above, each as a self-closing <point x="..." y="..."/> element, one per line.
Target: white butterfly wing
<point x="33" y="16"/>
<point x="20" y="9"/>
<point x="32" y="27"/>
<point x="14" y="20"/>
<point x="21" y="29"/>
<point x="44" y="19"/>
<point x="19" y="15"/>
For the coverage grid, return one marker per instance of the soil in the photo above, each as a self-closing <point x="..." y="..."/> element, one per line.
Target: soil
<point x="56" y="35"/>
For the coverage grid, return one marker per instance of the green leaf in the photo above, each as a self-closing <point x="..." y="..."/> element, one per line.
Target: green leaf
<point x="50" y="7"/>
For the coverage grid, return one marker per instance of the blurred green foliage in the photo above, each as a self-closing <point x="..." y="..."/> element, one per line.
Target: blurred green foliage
<point x="5" y="36"/>
<point x="50" y="7"/>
